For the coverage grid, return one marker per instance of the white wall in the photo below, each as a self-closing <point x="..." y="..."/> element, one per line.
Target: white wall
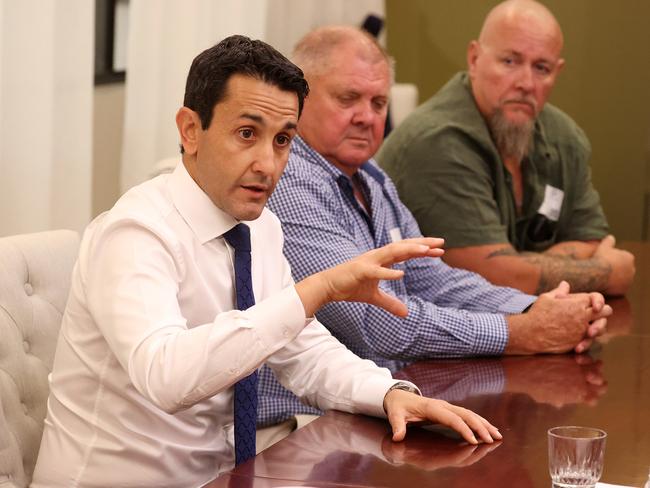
<point x="46" y="72"/>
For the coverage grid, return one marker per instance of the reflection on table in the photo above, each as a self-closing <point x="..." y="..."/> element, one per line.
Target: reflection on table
<point x="607" y="388"/>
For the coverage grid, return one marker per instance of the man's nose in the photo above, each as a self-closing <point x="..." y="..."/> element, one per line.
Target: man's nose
<point x="363" y="114"/>
<point x="264" y="159"/>
<point x="525" y="81"/>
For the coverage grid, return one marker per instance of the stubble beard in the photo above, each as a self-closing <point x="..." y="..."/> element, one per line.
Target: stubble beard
<point x="513" y="140"/>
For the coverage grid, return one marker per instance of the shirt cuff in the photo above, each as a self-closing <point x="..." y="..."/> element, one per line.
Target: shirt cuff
<point x="369" y="399"/>
<point x="517" y="303"/>
<point x="491" y="334"/>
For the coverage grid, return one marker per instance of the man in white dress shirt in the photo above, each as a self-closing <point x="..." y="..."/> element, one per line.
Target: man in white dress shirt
<point x="151" y="346"/>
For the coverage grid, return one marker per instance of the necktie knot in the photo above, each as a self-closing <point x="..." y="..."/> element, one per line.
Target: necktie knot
<point x="239" y="237"/>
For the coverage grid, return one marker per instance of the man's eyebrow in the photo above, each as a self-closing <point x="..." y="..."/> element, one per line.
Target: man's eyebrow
<point x="290" y="125"/>
<point x="253" y="117"/>
<point x="512" y="52"/>
<point x="260" y="120"/>
<point x="518" y="54"/>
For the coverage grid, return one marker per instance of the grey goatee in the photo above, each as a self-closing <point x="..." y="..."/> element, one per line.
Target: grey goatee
<point x="512" y="140"/>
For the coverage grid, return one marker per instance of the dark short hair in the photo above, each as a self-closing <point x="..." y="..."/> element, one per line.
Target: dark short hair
<point x="211" y="70"/>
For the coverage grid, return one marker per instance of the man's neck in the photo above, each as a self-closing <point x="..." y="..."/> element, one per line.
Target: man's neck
<point x="348" y="170"/>
<point x="359" y="194"/>
<point x="512" y="164"/>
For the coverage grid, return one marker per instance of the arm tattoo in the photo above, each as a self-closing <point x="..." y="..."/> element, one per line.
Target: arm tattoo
<point x="582" y="274"/>
<point x="567" y="251"/>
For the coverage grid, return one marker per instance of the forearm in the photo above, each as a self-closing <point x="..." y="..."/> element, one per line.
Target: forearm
<point x="313" y="293"/>
<point x="428" y="331"/>
<point x="573" y="249"/>
<point x="317" y="380"/>
<point x="538" y="273"/>
<point x="522" y="338"/>
<point x="447" y="286"/>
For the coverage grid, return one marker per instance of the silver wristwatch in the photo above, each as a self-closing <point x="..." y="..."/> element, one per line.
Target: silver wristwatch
<point x="403" y="386"/>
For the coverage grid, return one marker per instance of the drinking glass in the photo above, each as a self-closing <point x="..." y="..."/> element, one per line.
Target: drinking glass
<point x="575" y="456"/>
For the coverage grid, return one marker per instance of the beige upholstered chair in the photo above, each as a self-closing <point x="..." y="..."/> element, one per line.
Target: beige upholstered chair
<point x="35" y="274"/>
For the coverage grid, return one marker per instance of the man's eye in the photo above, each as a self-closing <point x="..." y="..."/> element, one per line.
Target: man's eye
<point x="282" y="140"/>
<point x="246" y="133"/>
<point x="543" y="69"/>
<point x="508" y="61"/>
<point x="379" y="104"/>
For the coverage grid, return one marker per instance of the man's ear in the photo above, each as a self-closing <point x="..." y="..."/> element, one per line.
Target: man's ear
<point x="189" y="126"/>
<point x="472" y="55"/>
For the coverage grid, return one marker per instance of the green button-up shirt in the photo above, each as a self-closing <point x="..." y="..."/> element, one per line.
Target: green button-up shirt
<point x="449" y="174"/>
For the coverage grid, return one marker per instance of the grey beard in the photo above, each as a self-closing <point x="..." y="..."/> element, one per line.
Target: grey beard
<point x="512" y="140"/>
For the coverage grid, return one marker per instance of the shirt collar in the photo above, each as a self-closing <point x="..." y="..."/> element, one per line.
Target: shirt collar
<point x="206" y="220"/>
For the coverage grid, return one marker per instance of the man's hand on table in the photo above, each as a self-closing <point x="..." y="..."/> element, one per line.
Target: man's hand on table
<point x="559" y="321"/>
<point x="403" y="407"/>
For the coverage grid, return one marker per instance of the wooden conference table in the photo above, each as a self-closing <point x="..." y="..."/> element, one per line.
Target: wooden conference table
<point x="607" y="388"/>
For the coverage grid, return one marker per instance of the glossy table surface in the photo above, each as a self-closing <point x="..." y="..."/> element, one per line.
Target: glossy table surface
<point x="607" y="388"/>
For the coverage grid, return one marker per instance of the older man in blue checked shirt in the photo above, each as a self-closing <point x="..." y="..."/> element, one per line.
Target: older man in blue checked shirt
<point x="335" y="203"/>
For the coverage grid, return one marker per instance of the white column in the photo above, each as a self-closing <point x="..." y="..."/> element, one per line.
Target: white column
<point x="46" y="81"/>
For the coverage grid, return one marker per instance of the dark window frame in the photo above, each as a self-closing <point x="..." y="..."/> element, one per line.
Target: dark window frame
<point x="104" y="44"/>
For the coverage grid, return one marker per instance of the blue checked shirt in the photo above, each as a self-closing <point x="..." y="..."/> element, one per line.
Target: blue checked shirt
<point x="451" y="312"/>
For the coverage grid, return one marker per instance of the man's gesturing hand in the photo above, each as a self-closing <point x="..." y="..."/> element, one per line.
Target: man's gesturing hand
<point x="358" y="279"/>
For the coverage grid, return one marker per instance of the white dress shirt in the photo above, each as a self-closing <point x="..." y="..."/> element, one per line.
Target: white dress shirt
<point x="150" y="346"/>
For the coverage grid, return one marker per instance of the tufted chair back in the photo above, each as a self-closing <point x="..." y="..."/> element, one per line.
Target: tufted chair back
<point x="35" y="274"/>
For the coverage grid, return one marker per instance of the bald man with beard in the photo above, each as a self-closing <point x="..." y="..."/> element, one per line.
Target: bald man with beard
<point x="502" y="175"/>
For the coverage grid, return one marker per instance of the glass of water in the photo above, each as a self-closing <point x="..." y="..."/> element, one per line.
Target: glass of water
<point x="575" y="456"/>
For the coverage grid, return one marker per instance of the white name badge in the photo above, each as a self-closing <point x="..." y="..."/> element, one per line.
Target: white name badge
<point x="552" y="203"/>
<point x="395" y="234"/>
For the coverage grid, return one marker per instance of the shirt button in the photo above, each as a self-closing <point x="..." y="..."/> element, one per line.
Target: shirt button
<point x="234" y="371"/>
<point x="285" y="332"/>
<point x="29" y="290"/>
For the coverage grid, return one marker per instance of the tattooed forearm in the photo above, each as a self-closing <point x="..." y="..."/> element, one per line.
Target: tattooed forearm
<point x="582" y="274"/>
<point x="566" y="251"/>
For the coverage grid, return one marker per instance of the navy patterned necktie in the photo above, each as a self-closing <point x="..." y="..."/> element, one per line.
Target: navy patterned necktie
<point x="245" y="402"/>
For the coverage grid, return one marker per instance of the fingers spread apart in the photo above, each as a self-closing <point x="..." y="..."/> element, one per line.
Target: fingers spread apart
<point x="460" y="419"/>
